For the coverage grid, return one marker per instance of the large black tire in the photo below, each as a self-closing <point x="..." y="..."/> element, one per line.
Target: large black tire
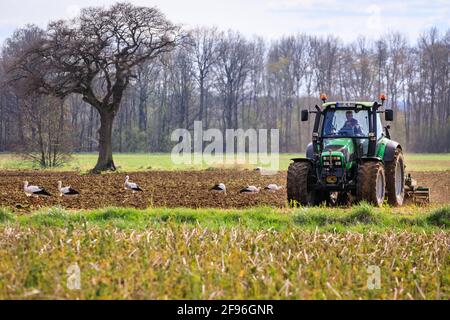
<point x="371" y="183"/>
<point x="395" y="179"/>
<point x="299" y="189"/>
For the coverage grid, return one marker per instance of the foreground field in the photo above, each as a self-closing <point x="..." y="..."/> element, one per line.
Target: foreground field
<point x="83" y="162"/>
<point x="258" y="253"/>
<point x="145" y="246"/>
<point x="167" y="189"/>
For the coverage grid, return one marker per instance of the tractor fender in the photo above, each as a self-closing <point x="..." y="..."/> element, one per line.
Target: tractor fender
<point x="389" y="151"/>
<point x="302" y="160"/>
<point x="310" y="151"/>
<point x="365" y="159"/>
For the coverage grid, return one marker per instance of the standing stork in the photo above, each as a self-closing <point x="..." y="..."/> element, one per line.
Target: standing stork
<point x="131" y="185"/>
<point x="35" y="191"/>
<point x="66" y="191"/>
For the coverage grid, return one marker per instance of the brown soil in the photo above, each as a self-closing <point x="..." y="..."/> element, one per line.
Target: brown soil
<point x="167" y="189"/>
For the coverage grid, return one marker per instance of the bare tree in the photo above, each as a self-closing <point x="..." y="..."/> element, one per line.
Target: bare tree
<point x="47" y="138"/>
<point x="231" y="72"/>
<point x="396" y="59"/>
<point x="95" y="55"/>
<point x="43" y="134"/>
<point x="325" y="55"/>
<point x="204" y="48"/>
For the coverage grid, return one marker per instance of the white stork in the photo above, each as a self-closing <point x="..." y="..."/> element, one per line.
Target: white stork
<point x="219" y="188"/>
<point x="34" y="190"/>
<point x="131" y="185"/>
<point x="66" y="191"/>
<point x="250" y="189"/>
<point x="273" y="187"/>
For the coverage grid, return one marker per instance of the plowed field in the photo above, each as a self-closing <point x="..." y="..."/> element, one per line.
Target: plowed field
<point x="167" y="189"/>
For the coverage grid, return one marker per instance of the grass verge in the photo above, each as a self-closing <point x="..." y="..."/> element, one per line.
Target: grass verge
<point x="359" y="218"/>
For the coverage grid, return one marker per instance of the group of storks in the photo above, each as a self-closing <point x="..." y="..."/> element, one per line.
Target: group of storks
<point x="249" y="189"/>
<point x="38" y="191"/>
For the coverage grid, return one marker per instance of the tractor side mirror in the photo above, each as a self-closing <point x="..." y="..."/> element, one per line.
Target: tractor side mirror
<point x="389" y="115"/>
<point x="305" y="115"/>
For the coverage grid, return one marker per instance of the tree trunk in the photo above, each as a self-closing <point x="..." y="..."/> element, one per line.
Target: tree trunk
<point x="91" y="130"/>
<point x="202" y="98"/>
<point x="105" y="160"/>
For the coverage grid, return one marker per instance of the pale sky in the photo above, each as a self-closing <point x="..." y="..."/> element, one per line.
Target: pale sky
<point x="268" y="18"/>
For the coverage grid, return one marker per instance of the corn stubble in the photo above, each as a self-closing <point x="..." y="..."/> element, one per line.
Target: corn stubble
<point x="178" y="261"/>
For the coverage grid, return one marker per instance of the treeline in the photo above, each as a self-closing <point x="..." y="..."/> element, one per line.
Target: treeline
<point x="227" y="81"/>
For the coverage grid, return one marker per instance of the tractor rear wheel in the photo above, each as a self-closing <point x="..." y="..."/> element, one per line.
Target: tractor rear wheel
<point x="395" y="179"/>
<point x="299" y="189"/>
<point x="371" y="183"/>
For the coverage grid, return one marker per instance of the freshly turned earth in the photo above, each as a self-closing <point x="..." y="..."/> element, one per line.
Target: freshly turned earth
<point x="167" y="189"/>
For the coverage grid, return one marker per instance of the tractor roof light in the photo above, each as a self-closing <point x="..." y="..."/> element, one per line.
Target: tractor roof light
<point x="323" y="97"/>
<point x="382" y="98"/>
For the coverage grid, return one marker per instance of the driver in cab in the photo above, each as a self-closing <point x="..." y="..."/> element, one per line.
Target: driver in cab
<point x="351" y="124"/>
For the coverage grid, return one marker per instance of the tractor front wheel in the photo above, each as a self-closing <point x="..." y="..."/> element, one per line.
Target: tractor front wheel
<point x="395" y="179"/>
<point x="299" y="189"/>
<point x="371" y="183"/>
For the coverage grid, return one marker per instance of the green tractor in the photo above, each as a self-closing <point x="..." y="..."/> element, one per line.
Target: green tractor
<point x="351" y="157"/>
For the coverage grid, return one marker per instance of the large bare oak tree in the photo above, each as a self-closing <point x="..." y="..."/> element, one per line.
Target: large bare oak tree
<point x="96" y="55"/>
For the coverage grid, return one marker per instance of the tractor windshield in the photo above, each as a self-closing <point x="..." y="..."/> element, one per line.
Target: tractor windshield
<point x="346" y="123"/>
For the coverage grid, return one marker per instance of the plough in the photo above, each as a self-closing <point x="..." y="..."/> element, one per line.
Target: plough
<point x="418" y="194"/>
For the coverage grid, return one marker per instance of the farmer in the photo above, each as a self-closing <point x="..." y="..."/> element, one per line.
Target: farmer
<point x="351" y="124"/>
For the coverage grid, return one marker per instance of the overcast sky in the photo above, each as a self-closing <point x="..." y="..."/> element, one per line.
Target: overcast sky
<point x="267" y="18"/>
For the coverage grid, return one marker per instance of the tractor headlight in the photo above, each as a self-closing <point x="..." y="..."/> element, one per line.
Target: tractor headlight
<point x="332" y="160"/>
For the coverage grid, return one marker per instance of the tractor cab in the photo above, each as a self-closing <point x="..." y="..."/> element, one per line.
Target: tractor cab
<point x="352" y="127"/>
<point x="344" y="131"/>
